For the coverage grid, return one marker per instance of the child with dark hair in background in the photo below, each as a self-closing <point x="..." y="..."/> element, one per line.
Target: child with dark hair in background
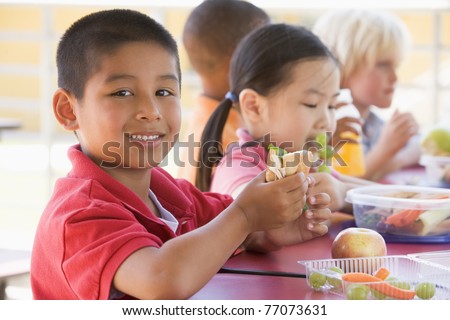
<point x="118" y="226"/>
<point x="210" y="36"/>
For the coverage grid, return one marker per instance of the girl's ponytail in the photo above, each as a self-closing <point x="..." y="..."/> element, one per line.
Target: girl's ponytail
<point x="211" y="149"/>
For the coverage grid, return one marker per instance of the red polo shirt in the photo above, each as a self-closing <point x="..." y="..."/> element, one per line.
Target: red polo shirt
<point x="92" y="223"/>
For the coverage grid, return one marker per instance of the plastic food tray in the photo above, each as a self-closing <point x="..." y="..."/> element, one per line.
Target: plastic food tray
<point x="438" y="257"/>
<point x="437" y="170"/>
<point x="374" y="206"/>
<point x="410" y="270"/>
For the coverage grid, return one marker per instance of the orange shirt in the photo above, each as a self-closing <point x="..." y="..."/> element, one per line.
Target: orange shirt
<point x="202" y="111"/>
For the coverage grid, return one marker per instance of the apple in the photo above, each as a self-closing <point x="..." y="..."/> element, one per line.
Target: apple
<point x="357" y="243"/>
<point x="437" y="142"/>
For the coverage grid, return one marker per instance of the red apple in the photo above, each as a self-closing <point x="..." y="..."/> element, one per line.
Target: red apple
<point x="357" y="243"/>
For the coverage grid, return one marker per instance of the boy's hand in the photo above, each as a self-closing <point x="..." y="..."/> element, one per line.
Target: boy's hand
<point x="271" y="205"/>
<point x="346" y="124"/>
<point x="397" y="132"/>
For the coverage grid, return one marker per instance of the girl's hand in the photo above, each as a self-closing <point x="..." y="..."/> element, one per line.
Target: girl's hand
<point x="272" y="205"/>
<point x="326" y="183"/>
<point x="311" y="224"/>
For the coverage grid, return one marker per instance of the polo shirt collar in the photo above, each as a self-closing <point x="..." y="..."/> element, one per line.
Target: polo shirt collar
<point x="163" y="187"/>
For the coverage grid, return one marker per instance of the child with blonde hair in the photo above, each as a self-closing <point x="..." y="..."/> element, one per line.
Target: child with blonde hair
<point x="370" y="46"/>
<point x="118" y="226"/>
<point x="285" y="83"/>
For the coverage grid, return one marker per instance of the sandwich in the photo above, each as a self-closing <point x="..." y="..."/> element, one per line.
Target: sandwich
<point x="282" y="164"/>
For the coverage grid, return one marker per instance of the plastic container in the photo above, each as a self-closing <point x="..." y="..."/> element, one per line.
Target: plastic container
<point x="437" y="170"/>
<point x="404" y="272"/>
<point x="352" y="151"/>
<point x="437" y="257"/>
<point x="402" y="210"/>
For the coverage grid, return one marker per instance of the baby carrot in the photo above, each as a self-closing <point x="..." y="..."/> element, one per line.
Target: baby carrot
<point x="379" y="285"/>
<point x="360" y="277"/>
<point x="382" y="273"/>
<point x="406" y="217"/>
<point x="389" y="290"/>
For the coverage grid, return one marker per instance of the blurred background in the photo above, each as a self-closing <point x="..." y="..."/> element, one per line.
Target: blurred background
<point x="33" y="146"/>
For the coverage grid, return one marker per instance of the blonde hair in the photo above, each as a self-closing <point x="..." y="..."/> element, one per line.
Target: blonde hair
<point x="360" y="37"/>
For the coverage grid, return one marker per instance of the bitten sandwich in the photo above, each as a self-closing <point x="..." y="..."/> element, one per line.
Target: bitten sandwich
<point x="281" y="164"/>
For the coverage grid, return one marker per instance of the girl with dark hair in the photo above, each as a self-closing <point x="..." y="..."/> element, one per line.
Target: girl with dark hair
<point x="284" y="82"/>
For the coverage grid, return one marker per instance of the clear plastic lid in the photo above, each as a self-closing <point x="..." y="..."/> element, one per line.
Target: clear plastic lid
<point x="439" y="257"/>
<point x="400" y="197"/>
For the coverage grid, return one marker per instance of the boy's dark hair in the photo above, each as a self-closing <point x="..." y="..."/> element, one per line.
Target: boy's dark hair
<point x="263" y="62"/>
<point x="99" y="34"/>
<point x="215" y="27"/>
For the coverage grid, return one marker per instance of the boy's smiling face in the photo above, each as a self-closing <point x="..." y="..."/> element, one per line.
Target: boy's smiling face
<point x="129" y="115"/>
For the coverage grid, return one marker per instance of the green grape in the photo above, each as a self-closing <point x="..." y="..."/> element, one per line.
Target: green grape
<point x="324" y="168"/>
<point x="323" y="152"/>
<point x="317" y="280"/>
<point x="390" y="279"/>
<point x="336" y="269"/>
<point x="377" y="295"/>
<point x="321" y="139"/>
<point x="425" y="290"/>
<point x="401" y="284"/>
<point x="357" y="292"/>
<point x="326" y="153"/>
<point x="279" y="151"/>
<point x="335" y="282"/>
<point x="330" y="152"/>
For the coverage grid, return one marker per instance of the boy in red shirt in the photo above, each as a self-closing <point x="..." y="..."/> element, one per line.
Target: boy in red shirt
<point x="118" y="226"/>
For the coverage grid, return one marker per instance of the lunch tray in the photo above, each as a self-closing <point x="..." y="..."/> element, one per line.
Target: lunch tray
<point x="405" y="269"/>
